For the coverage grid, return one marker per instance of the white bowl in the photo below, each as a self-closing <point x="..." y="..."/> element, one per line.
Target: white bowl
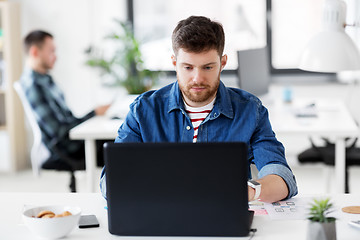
<point x="51" y="228"/>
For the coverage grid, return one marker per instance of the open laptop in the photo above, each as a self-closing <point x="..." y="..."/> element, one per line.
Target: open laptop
<point x="177" y="189"/>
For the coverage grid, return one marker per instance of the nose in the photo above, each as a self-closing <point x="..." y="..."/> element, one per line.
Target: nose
<point x="197" y="77"/>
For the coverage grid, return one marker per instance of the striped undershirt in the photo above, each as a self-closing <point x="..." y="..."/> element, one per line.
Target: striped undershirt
<point x="197" y="116"/>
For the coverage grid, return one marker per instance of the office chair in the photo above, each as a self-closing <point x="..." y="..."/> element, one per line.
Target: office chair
<point x="40" y="155"/>
<point x="326" y="154"/>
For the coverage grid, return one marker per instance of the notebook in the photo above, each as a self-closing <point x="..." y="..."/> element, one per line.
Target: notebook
<point x="177" y="189"/>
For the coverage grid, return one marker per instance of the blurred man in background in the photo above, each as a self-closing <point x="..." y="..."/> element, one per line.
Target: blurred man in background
<point x="53" y="116"/>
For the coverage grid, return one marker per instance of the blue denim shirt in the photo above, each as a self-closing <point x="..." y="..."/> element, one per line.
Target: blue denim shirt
<point x="237" y="116"/>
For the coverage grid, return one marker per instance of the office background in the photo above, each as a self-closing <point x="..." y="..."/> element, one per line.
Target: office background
<point x="78" y="24"/>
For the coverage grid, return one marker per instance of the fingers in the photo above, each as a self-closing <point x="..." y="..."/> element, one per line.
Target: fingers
<point x="101" y="110"/>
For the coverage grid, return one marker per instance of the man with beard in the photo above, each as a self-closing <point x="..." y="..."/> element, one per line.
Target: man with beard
<point x="54" y="117"/>
<point x="199" y="108"/>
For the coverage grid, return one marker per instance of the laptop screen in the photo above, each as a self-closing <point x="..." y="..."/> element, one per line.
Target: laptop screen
<point x="177" y="189"/>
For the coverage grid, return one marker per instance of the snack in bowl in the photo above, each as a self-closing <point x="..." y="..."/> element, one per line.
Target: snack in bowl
<point x="50" y="214"/>
<point x="52" y="221"/>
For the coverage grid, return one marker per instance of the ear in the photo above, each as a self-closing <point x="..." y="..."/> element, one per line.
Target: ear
<point x="33" y="51"/>
<point x="173" y="60"/>
<point x="223" y="61"/>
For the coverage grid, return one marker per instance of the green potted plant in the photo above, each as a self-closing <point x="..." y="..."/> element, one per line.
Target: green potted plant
<point x="125" y="66"/>
<point x="321" y="226"/>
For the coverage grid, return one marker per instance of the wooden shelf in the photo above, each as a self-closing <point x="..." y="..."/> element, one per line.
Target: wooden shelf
<point x="11" y="112"/>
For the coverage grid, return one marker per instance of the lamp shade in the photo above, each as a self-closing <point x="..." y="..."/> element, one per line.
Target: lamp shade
<point x="331" y="50"/>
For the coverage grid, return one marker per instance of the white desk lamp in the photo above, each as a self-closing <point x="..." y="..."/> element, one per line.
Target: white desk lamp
<point x="331" y="50"/>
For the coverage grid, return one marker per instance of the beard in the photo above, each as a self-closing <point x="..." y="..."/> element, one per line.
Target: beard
<point x="203" y="96"/>
<point x="47" y="65"/>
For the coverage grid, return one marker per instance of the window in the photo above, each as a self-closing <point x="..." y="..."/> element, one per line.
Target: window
<point x="291" y="25"/>
<point x="285" y="26"/>
<point x="244" y="23"/>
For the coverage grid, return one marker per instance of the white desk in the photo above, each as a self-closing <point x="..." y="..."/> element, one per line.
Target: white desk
<point x="92" y="203"/>
<point x="333" y="121"/>
<point x="96" y="128"/>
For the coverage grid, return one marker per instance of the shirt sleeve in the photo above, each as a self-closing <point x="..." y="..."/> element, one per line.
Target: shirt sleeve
<point x="130" y="131"/>
<point x="285" y="173"/>
<point x="103" y="183"/>
<point x="268" y="153"/>
<point x="55" y="120"/>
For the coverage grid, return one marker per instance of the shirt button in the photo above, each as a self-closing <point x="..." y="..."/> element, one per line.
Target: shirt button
<point x="215" y="114"/>
<point x="188" y="128"/>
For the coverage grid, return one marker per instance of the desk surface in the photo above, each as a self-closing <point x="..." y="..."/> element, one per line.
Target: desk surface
<point x="103" y="127"/>
<point x="332" y="118"/>
<point x="92" y="203"/>
<point x="96" y="128"/>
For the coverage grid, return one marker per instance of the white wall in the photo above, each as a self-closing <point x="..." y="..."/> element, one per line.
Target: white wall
<point x="5" y="152"/>
<point x="75" y="25"/>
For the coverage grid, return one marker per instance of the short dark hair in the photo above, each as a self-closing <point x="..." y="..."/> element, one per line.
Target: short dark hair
<point x="36" y="38"/>
<point x="197" y="34"/>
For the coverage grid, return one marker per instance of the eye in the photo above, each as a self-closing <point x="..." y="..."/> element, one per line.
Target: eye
<point x="208" y="68"/>
<point x="187" y="68"/>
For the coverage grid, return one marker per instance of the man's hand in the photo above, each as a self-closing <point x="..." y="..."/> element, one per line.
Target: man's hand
<point x="273" y="189"/>
<point x="251" y="193"/>
<point x="101" y="110"/>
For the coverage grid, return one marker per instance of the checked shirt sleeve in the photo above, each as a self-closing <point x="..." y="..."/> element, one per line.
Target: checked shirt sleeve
<point x="53" y="116"/>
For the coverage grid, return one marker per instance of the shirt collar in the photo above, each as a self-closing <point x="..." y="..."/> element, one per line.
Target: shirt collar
<point x="222" y="104"/>
<point x="42" y="79"/>
<point x="30" y="77"/>
<point x="208" y="106"/>
<point x="175" y="98"/>
<point x="29" y="70"/>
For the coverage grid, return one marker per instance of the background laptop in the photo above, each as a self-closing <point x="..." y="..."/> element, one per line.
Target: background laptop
<point x="253" y="71"/>
<point x="177" y="189"/>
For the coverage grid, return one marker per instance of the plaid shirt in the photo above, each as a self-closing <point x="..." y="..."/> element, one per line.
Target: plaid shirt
<point x="54" y="117"/>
